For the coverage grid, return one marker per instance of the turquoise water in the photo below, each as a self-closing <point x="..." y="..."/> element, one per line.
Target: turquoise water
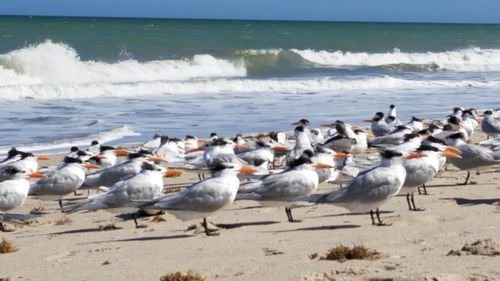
<point x="64" y="81"/>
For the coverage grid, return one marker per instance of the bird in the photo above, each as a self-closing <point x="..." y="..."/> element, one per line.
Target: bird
<point x="473" y="156"/>
<point x="203" y="198"/>
<point x="66" y="179"/>
<point x="14" y="190"/>
<point x="146" y="185"/>
<point x="420" y="170"/>
<point x="23" y="161"/>
<point x="378" y="125"/>
<point x="126" y="168"/>
<point x="373" y="187"/>
<point x="344" y="140"/>
<point x="285" y="188"/>
<point x="302" y="143"/>
<point x="489" y="125"/>
<point x="392" y="118"/>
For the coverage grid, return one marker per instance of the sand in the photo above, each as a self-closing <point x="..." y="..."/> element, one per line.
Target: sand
<point x="260" y="244"/>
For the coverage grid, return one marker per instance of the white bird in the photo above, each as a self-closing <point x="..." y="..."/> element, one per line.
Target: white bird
<point x="302" y="143"/>
<point x="372" y="188"/>
<point x="473" y="156"/>
<point x="415" y="124"/>
<point x="379" y="127"/>
<point x="287" y="187"/>
<point x="144" y="186"/>
<point x="204" y="198"/>
<point x="344" y="140"/>
<point x="66" y="179"/>
<point x="23" y="161"/>
<point x="490" y="125"/>
<point x="127" y="168"/>
<point x="392" y="118"/>
<point x="421" y="170"/>
<point x="14" y="190"/>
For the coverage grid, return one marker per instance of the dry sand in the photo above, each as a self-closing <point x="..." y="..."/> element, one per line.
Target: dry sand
<point x="415" y="247"/>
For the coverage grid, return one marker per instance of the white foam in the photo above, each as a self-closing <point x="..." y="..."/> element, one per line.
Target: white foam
<point x="102" y="137"/>
<point x="470" y="59"/>
<point x="56" y="63"/>
<point x="65" y="91"/>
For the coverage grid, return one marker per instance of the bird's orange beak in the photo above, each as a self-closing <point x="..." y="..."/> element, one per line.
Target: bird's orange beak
<point x="38" y="175"/>
<point x="157" y="159"/>
<point x="328" y="125"/>
<point x="454" y="150"/>
<point x="121" y="152"/>
<point x="100" y="156"/>
<point x="41" y="157"/>
<point x="91" y="166"/>
<point x="449" y="154"/>
<point x="279" y="148"/>
<point x="341" y="155"/>
<point x="247" y="170"/>
<point x="479" y="119"/>
<point x="415" y="155"/>
<point x="200" y="148"/>
<point x="240" y="146"/>
<point x="367" y="121"/>
<point x="172" y="173"/>
<point x="322" y="166"/>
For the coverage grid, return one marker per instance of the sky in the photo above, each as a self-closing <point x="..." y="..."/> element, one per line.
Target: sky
<point x="454" y="11"/>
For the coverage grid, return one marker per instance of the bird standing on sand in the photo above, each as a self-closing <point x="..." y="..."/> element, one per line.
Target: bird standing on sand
<point x="287" y="187"/>
<point x="474" y="157"/>
<point x="66" y="179"/>
<point x="14" y="190"/>
<point x="372" y="188"/>
<point x="203" y="198"/>
<point x="420" y="170"/>
<point x="144" y="186"/>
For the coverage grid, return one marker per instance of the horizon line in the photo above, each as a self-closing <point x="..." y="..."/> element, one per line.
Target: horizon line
<point x="243" y="19"/>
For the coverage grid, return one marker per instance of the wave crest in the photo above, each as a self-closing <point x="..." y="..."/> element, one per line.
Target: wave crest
<point x="471" y="59"/>
<point x="53" y="63"/>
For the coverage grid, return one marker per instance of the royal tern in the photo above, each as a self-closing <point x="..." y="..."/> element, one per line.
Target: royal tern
<point x="344" y="140"/>
<point x="144" y="186"/>
<point x="302" y="143"/>
<point x="420" y="170"/>
<point x="372" y="188"/>
<point x="66" y="179"/>
<point x="127" y="168"/>
<point x="490" y="125"/>
<point x="23" y="161"/>
<point x="14" y="190"/>
<point x="378" y="125"/>
<point x="392" y="118"/>
<point x="474" y="157"/>
<point x="283" y="189"/>
<point x="204" y="198"/>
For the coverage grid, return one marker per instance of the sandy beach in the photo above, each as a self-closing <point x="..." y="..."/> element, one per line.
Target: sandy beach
<point x="259" y="244"/>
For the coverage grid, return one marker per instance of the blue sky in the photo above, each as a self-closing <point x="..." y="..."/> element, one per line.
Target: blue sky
<point x="463" y="11"/>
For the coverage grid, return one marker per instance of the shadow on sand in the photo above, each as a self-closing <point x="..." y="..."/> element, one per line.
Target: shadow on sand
<point x="323" y="227"/>
<point x="472" y="202"/>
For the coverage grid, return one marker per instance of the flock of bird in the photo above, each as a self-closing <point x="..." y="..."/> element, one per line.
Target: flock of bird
<point x="275" y="169"/>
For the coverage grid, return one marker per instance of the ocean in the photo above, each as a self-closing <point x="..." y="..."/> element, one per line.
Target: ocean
<point x="67" y="81"/>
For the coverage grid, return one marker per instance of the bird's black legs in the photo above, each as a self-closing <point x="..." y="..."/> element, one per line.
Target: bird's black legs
<point x="288" y="211"/>
<point x="137" y="225"/>
<point x="380" y="222"/>
<point x="207" y="231"/>
<point x="420" y="191"/>
<point x="408" y="201"/>
<point x="2" y="227"/>
<point x="60" y="204"/>
<point x="413" y="203"/>
<point x="467" y="178"/>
